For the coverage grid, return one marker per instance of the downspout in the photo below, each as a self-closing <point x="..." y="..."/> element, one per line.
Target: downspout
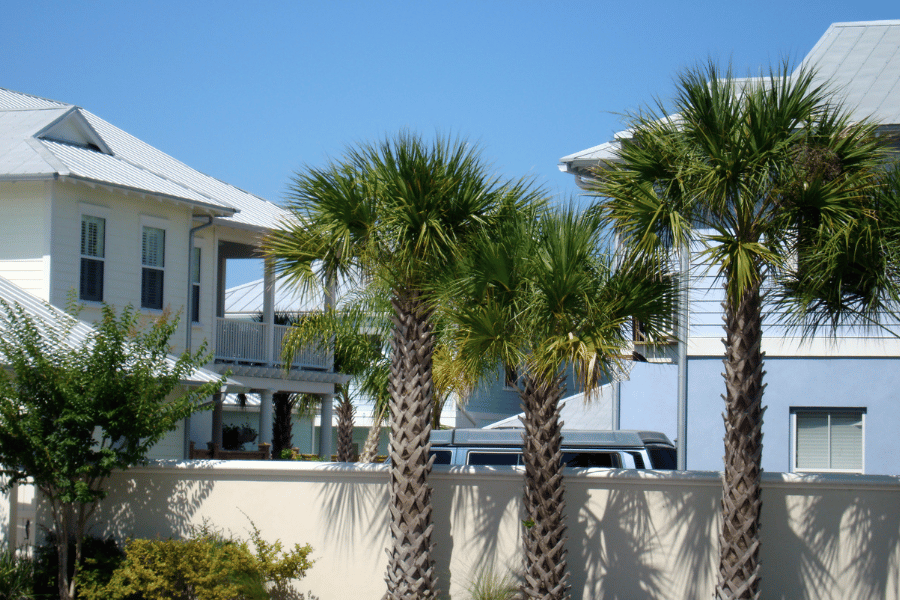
<point x="684" y="314"/>
<point x="190" y="321"/>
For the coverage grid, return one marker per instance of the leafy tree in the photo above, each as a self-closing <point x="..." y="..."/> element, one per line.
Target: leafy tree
<point x="540" y="293"/>
<point x="780" y="189"/>
<point x="71" y="413"/>
<point x="393" y="215"/>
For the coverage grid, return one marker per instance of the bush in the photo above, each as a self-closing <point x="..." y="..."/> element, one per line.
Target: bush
<point x="99" y="558"/>
<point x="208" y="566"/>
<point x="16" y="574"/>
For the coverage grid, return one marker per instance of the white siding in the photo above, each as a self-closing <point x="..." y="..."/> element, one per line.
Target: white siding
<point x="171" y="446"/>
<point x="25" y="251"/>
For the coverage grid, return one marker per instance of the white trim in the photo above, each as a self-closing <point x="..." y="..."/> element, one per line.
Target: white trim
<point x="829" y="410"/>
<point x="158" y="222"/>
<point x="94" y="210"/>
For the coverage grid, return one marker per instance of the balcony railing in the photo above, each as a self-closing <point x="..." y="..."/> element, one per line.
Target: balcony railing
<point x="245" y="342"/>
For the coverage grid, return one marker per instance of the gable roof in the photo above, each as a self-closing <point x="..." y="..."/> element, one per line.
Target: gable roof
<point x="860" y="61"/>
<point x="46" y="139"/>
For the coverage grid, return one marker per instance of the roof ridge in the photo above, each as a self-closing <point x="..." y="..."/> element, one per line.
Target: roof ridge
<point x="36" y="97"/>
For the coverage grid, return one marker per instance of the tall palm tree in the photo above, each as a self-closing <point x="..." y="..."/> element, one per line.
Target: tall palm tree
<point x="540" y="293"/>
<point x="775" y="182"/>
<point x="395" y="213"/>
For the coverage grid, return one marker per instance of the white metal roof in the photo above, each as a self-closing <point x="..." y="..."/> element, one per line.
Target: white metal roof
<point x="42" y="138"/>
<point x="594" y="414"/>
<point x="45" y="314"/>
<point x="247" y="299"/>
<point x="861" y="62"/>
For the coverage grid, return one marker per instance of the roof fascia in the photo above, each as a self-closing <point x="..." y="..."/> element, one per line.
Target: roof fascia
<point x="210" y="208"/>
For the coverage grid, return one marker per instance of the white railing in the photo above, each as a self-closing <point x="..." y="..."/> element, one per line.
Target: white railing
<point x="245" y="342"/>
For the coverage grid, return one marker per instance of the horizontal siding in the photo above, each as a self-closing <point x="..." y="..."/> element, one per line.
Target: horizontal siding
<point x="24" y="254"/>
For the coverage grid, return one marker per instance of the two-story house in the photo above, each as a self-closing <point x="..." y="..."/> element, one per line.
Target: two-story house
<point x="833" y="404"/>
<point x="86" y="208"/>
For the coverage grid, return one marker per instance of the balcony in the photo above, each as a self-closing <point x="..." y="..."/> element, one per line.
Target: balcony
<point x="245" y="342"/>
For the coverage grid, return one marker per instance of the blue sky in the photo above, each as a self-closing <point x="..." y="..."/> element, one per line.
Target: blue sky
<point x="249" y="92"/>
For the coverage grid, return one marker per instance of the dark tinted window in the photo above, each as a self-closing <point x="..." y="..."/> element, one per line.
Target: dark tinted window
<point x="442" y="457"/>
<point x="662" y="457"/>
<point x="493" y="458"/>
<point x="609" y="460"/>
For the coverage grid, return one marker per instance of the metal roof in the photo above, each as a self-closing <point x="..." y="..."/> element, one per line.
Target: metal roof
<point x="860" y="61"/>
<point x="96" y="151"/>
<point x="594" y="414"/>
<point x="44" y="315"/>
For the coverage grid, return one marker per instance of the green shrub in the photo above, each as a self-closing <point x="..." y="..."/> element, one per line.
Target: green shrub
<point x="99" y="558"/>
<point x="208" y="566"/>
<point x="16" y="574"/>
<point x="488" y="584"/>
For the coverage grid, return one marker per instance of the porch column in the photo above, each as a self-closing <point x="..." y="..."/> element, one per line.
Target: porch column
<point x="218" y="401"/>
<point x="269" y="316"/>
<point x="326" y="448"/>
<point x="265" y="417"/>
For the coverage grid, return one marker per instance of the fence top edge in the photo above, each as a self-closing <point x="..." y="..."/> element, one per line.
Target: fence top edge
<point x="457" y="473"/>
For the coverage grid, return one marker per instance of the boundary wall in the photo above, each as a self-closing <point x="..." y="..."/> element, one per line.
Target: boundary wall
<point x="632" y="534"/>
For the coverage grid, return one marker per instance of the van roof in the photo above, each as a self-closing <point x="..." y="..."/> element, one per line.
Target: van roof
<point x="573" y="439"/>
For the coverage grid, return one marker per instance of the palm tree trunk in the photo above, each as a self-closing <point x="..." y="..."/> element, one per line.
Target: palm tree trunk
<point x="741" y="502"/>
<point x="370" y="447"/>
<point x="546" y="573"/>
<point x="410" y="573"/>
<point x="345" y="427"/>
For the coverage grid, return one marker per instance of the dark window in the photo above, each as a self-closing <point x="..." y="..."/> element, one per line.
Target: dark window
<point x="195" y="285"/>
<point x="638" y="460"/>
<point x="493" y="458"/>
<point x="662" y="457"/>
<point x="93" y="251"/>
<point x="153" y="245"/>
<point x="608" y="460"/>
<point x="442" y="457"/>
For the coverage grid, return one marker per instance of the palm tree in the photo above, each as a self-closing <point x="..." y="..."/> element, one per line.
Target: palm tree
<point x="355" y="339"/>
<point x="540" y="293"/>
<point x="394" y="214"/>
<point x="775" y="182"/>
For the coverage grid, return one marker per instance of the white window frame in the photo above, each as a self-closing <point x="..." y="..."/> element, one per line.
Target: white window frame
<point x="155" y="223"/>
<point x="98" y="212"/>
<point x="829" y="410"/>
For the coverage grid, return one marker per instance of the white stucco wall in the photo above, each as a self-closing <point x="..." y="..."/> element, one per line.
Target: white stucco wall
<point x="632" y="534"/>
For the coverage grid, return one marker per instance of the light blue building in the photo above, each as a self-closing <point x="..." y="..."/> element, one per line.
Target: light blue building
<point x="833" y="404"/>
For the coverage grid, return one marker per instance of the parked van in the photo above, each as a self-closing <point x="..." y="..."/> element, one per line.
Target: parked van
<point x="610" y="449"/>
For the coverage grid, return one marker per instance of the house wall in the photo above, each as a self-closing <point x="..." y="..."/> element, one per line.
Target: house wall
<point x="25" y="231"/>
<point x="632" y="534"/>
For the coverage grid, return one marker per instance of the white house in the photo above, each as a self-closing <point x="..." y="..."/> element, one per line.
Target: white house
<point x="88" y="209"/>
<point x="833" y="405"/>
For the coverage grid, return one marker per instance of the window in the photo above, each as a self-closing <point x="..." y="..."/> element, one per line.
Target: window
<point x="828" y="439"/>
<point x="153" y="247"/>
<point x="195" y="285"/>
<point x="93" y="237"/>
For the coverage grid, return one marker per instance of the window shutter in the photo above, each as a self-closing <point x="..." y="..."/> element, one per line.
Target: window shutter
<point x="846" y="441"/>
<point x="153" y="244"/>
<point x="812" y="441"/>
<point x="93" y="230"/>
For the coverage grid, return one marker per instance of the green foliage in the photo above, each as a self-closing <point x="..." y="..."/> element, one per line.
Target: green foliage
<point x="16" y="575"/>
<point x="488" y="584"/>
<point x="72" y="413"/>
<point x="208" y="566"/>
<point x="101" y="556"/>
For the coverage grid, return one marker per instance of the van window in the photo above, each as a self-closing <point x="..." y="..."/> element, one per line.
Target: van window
<point x="442" y="457"/>
<point x="608" y="460"/>
<point x="493" y="458"/>
<point x="662" y="457"/>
